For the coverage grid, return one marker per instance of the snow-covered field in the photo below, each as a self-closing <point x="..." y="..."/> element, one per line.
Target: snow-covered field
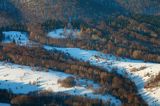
<point x="124" y="67"/>
<point x="4" y="104"/>
<point x="23" y="79"/>
<point x="15" y="36"/>
<point x="63" y="33"/>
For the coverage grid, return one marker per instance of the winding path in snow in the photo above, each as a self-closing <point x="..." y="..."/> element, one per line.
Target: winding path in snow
<point x="124" y="67"/>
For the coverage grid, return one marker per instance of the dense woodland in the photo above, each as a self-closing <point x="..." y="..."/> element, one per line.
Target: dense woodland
<point x="128" y="35"/>
<point x="121" y="36"/>
<point x="49" y="99"/>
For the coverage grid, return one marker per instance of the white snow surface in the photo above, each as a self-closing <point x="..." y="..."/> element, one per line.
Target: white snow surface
<point x="4" y="104"/>
<point x="63" y="33"/>
<point x="15" y="36"/>
<point x="24" y="79"/>
<point x="124" y="67"/>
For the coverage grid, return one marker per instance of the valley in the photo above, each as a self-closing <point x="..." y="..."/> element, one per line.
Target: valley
<point x="79" y="53"/>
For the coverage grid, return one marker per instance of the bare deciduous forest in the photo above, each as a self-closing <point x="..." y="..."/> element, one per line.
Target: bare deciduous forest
<point x="126" y="29"/>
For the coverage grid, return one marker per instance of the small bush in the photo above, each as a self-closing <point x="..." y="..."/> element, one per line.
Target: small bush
<point x="67" y="82"/>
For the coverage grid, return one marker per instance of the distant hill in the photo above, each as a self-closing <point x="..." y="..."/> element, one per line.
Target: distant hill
<point x="147" y="7"/>
<point x="10" y="9"/>
<point x="41" y="10"/>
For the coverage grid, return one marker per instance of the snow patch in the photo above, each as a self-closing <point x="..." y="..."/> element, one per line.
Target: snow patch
<point x="63" y="33"/>
<point x="4" y="104"/>
<point x="15" y="36"/>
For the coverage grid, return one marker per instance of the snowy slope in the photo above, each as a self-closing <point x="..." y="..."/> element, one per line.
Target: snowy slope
<point x="23" y="79"/>
<point x="125" y="67"/>
<point x="4" y="104"/>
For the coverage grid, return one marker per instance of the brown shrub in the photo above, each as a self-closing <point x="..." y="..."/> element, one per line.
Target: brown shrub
<point x="67" y="82"/>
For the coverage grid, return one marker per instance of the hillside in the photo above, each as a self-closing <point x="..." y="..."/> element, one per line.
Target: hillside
<point x="63" y="10"/>
<point x="40" y="10"/>
<point x="80" y="52"/>
<point x="10" y="9"/>
<point x="148" y="7"/>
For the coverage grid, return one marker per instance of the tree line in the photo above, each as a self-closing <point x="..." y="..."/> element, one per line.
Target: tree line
<point x="46" y="98"/>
